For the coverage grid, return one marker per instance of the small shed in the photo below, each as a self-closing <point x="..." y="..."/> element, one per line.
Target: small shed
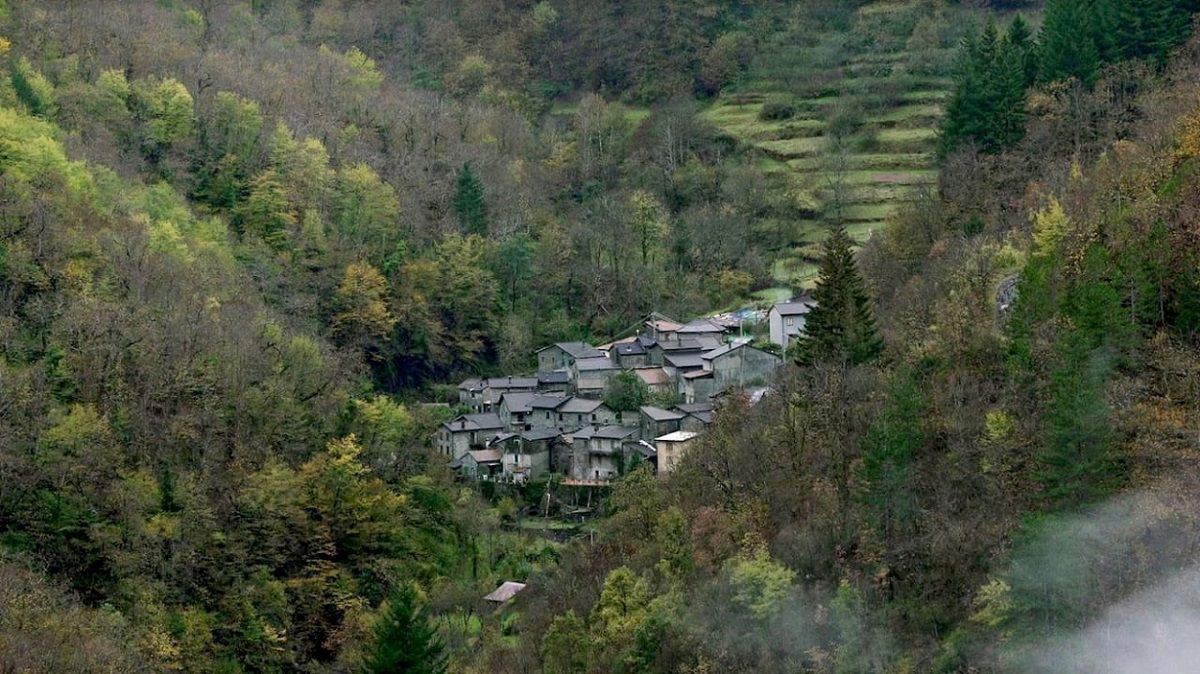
<point x="507" y="590"/>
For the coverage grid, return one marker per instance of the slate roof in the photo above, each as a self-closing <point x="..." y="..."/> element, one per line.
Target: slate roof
<point x="630" y="349"/>
<point x="519" y="401"/>
<point x="596" y="364"/>
<point x="474" y="422"/>
<point x="580" y="406"/>
<point x="797" y="307"/>
<point x="692" y="408"/>
<point x="717" y="353"/>
<point x="700" y="326"/>
<point x="511" y="382"/>
<point x="540" y="434"/>
<point x="606" y="433"/>
<point x="697" y="374"/>
<point x="576" y="350"/>
<point x="659" y="414"/>
<point x="553" y="377"/>
<point x="486" y="455"/>
<point x="469" y="384"/>
<point x="653" y="376"/>
<point x="691" y="344"/>
<point x="684" y="361"/>
<point x="548" y="402"/>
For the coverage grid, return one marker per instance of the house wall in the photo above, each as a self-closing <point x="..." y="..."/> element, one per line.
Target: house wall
<point x="553" y="358"/>
<point x="669" y="454"/>
<point x="632" y="361"/>
<point x="454" y="444"/>
<point x="776" y="328"/>
<point x="743" y="367"/>
<point x="651" y="429"/>
<point x="785" y="328"/>
<point x="691" y="423"/>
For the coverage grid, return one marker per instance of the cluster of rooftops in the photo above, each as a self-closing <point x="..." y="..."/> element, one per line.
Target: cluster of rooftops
<point x="521" y="427"/>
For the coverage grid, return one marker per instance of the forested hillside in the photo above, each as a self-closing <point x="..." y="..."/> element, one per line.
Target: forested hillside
<point x="247" y="247"/>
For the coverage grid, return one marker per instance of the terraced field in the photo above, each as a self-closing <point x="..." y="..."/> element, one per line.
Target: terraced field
<point x="850" y="121"/>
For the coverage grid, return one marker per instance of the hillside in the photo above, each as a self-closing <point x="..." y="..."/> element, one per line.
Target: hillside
<point x="846" y="115"/>
<point x="306" y="309"/>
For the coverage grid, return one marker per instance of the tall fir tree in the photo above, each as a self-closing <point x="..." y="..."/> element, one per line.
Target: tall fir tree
<point x="469" y="203"/>
<point x="841" y="327"/>
<point x="1068" y="42"/>
<point x="1078" y="465"/>
<point x="1020" y="40"/>
<point x="405" y="642"/>
<point x="987" y="107"/>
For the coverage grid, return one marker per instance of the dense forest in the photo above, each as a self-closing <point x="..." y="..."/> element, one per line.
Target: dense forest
<point x="248" y="247"/>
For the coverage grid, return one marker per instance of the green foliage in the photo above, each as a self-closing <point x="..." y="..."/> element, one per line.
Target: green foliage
<point x="623" y="606"/>
<point x="565" y="646"/>
<point x="626" y="392"/>
<point x="469" y="203"/>
<point x="1068" y="41"/>
<point x="166" y="109"/>
<point x="987" y="107"/>
<point x="366" y="207"/>
<point x="1079" y="465"/>
<point x="760" y="584"/>
<point x="841" y="328"/>
<point x="889" y="451"/>
<point x="266" y="211"/>
<point x="405" y="641"/>
<point x="33" y="90"/>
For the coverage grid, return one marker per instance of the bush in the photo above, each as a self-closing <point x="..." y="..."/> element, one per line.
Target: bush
<point x="777" y="108"/>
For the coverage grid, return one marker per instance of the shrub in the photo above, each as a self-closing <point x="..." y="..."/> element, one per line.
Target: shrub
<point x="777" y="108"/>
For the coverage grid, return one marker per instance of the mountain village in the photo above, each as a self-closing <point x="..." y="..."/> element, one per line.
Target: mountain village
<point x="555" y="421"/>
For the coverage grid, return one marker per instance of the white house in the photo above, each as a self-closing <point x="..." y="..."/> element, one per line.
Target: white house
<point x="787" y="320"/>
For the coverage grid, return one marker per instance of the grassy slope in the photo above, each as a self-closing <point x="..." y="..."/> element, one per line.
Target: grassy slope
<point x="892" y="95"/>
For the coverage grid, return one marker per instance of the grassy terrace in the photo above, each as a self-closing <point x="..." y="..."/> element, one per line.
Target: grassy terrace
<point x="861" y="122"/>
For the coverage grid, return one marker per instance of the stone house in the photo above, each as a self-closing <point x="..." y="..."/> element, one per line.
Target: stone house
<point x="517" y="412"/>
<point x="602" y="453"/>
<point x="482" y="464"/>
<point x="655" y="421"/>
<point x="469" y="431"/>
<point x="591" y="375"/>
<point x="671" y="448"/>
<point x="527" y="455"/>
<point x="655" y="378"/>
<point x="555" y="381"/>
<point x="786" y="320"/>
<point x="740" y="365"/>
<point x="564" y="354"/>
<point x="629" y="355"/>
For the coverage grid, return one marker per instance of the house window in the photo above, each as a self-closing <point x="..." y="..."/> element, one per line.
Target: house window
<point x="791" y="321"/>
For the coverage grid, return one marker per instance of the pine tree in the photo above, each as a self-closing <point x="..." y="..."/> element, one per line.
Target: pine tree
<point x="1078" y="465"/>
<point x="841" y="328"/>
<point x="469" y="202"/>
<point x="405" y="642"/>
<point x="987" y="107"/>
<point x="1020" y="40"/>
<point x="1068" y="42"/>
<point x="889" y="452"/>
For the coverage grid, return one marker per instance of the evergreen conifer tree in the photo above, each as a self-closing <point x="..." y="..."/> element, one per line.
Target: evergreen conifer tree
<point x="987" y="107"/>
<point x="1020" y="40"/>
<point x="1078" y="465"/>
<point x="405" y="642"/>
<point x="469" y="202"/>
<point x="1068" y="42"/>
<point x="841" y="328"/>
